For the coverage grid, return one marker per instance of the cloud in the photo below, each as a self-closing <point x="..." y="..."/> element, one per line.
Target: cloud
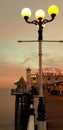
<point x="30" y="60"/>
<point x="9" y="72"/>
<point x="53" y="61"/>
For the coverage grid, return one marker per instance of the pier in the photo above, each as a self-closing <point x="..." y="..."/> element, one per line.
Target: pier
<point x="22" y="109"/>
<point x="54" y="114"/>
<point x="28" y="114"/>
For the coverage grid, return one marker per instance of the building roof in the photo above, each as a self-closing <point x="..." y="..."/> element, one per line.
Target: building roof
<point x="21" y="81"/>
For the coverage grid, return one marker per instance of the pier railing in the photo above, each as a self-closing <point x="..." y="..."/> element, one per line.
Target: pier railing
<point x="31" y="119"/>
<point x="18" y="91"/>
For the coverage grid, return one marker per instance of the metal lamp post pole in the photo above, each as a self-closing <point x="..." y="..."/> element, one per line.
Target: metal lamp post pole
<point x="41" y="106"/>
<point x="26" y="13"/>
<point x="40" y="38"/>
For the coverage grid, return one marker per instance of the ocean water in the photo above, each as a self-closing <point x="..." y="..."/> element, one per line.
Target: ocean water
<point x="7" y="109"/>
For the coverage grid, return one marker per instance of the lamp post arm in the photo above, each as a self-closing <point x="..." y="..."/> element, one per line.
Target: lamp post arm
<point x="31" y="22"/>
<point x="40" y="21"/>
<point x="46" y="20"/>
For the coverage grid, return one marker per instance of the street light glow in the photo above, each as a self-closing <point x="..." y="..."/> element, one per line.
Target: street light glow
<point x="26" y="12"/>
<point x="39" y="14"/>
<point x="53" y="9"/>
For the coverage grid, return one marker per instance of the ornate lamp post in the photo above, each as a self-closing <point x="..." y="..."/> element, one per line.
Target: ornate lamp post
<point x="40" y="21"/>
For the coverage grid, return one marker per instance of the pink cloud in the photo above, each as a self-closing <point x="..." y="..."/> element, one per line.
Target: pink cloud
<point x="9" y="72"/>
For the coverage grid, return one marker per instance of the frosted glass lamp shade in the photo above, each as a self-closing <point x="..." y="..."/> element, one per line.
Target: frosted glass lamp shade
<point x="39" y="14"/>
<point x="26" y="12"/>
<point x="53" y="9"/>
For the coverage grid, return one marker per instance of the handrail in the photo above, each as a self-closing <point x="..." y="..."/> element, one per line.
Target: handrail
<point x="31" y="118"/>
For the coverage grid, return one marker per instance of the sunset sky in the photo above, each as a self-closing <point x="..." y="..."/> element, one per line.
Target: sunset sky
<point x="16" y="57"/>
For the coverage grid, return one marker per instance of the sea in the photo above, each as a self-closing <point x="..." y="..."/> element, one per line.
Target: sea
<point x="7" y="109"/>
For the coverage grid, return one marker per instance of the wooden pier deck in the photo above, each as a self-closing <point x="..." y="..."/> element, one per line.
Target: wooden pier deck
<point x="54" y="111"/>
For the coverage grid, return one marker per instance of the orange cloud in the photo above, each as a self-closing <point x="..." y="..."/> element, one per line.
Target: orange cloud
<point x="9" y="72"/>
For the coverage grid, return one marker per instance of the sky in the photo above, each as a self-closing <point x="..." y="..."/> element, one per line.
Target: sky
<point x="16" y="57"/>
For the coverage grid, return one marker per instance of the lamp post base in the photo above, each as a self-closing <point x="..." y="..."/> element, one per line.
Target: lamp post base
<point x="41" y="114"/>
<point x="41" y="109"/>
<point x="42" y="125"/>
<point x="40" y="118"/>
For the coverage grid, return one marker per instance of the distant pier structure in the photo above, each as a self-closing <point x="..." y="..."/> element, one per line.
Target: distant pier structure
<point x="28" y="110"/>
<point x="28" y="78"/>
<point x="24" y="104"/>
